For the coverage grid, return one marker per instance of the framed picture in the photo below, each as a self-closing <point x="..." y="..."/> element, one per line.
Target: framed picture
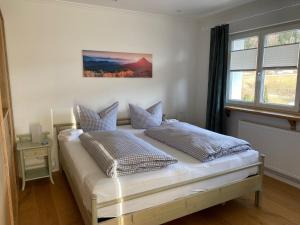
<point x="116" y="64"/>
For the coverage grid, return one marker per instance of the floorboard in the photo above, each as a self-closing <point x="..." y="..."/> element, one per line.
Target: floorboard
<point x="45" y="204"/>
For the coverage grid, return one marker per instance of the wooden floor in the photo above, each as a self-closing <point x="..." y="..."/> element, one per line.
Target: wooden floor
<point x="45" y="204"/>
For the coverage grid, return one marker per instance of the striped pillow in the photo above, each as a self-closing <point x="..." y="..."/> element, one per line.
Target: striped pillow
<point x="106" y="120"/>
<point x="144" y="119"/>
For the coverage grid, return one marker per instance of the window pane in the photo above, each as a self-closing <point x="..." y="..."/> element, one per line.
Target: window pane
<point x="279" y="87"/>
<point x="244" y="43"/>
<point x="242" y="86"/>
<point x="280" y="56"/>
<point x="283" y="38"/>
<point x="243" y="60"/>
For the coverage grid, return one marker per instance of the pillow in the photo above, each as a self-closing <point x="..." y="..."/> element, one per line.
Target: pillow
<point x="69" y="134"/>
<point x="90" y="120"/>
<point x="144" y="119"/>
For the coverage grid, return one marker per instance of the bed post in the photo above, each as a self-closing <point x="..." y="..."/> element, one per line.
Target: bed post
<point x="94" y="210"/>
<point x="261" y="174"/>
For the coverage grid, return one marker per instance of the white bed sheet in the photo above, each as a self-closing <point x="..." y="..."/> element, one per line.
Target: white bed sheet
<point x="91" y="180"/>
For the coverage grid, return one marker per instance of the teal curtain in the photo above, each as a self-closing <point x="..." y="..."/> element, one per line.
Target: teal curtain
<point x="215" y="114"/>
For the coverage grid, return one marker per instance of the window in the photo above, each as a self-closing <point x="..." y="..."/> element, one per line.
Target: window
<point x="263" y="69"/>
<point x="243" y="65"/>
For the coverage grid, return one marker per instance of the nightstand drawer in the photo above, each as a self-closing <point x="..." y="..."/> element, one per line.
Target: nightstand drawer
<point x="37" y="152"/>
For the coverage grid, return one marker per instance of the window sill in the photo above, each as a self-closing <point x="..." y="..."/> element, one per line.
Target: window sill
<point x="292" y="118"/>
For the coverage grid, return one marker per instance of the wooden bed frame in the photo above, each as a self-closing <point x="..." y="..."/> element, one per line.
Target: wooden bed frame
<point x="174" y="209"/>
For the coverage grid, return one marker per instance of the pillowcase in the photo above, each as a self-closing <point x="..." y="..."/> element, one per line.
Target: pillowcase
<point x="144" y="119"/>
<point x="90" y="120"/>
<point x="69" y="134"/>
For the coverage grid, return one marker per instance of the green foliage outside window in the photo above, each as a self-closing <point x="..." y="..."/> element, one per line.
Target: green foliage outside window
<point x="283" y="38"/>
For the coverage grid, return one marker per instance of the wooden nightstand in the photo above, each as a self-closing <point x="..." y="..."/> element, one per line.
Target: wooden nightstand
<point x="28" y="150"/>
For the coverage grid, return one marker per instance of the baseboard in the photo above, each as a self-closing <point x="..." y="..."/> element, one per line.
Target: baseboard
<point x="283" y="177"/>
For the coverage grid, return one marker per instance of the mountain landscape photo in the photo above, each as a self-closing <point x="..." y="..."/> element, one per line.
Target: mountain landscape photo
<point x="115" y="64"/>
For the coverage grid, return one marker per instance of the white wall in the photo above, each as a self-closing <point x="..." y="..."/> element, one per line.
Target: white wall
<point x="45" y="40"/>
<point x="250" y="16"/>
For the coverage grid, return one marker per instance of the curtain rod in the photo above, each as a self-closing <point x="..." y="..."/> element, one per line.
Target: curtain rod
<point x="266" y="26"/>
<point x="257" y="15"/>
<point x="263" y="13"/>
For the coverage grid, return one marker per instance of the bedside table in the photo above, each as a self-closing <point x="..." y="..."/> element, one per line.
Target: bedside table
<point x="28" y="150"/>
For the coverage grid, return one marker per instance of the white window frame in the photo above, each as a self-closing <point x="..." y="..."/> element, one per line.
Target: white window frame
<point x="261" y="33"/>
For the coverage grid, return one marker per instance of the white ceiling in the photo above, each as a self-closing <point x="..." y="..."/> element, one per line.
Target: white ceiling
<point x="192" y="8"/>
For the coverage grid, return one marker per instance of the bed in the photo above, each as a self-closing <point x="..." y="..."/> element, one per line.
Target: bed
<point x="158" y="196"/>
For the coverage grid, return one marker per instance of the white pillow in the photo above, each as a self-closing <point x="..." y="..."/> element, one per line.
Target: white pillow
<point x="69" y="135"/>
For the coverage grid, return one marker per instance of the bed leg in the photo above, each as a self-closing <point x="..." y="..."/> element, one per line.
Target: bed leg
<point x="257" y="200"/>
<point x="258" y="193"/>
<point x="94" y="210"/>
<point x="62" y="171"/>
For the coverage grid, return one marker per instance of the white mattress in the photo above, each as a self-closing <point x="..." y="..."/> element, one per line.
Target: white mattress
<point x="91" y="180"/>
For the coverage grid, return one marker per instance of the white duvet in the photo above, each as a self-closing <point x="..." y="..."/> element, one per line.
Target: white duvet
<point x="91" y="180"/>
